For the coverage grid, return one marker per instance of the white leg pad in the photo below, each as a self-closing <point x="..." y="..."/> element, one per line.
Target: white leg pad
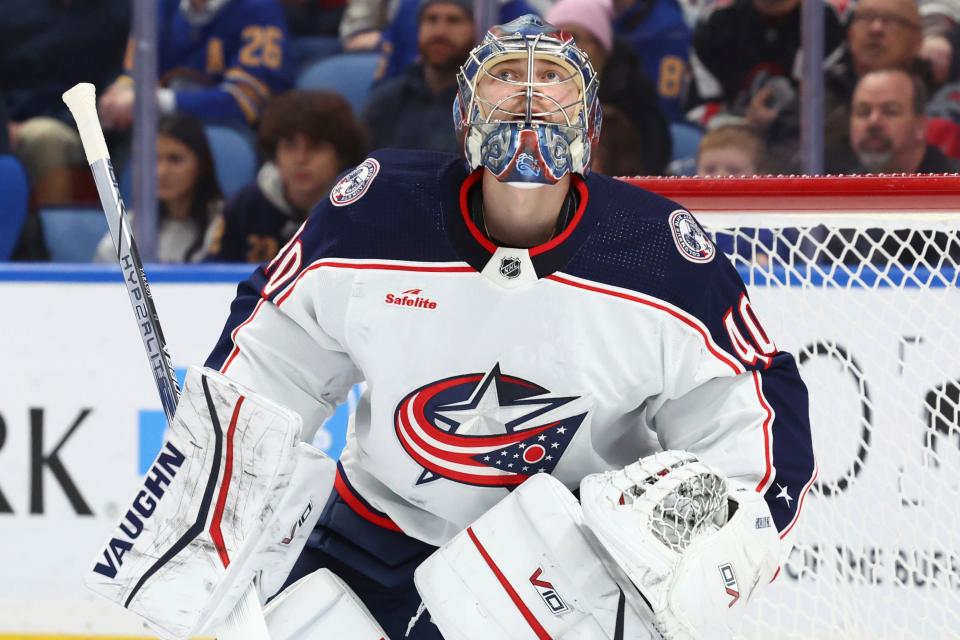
<point x="526" y="570"/>
<point x="320" y="606"/>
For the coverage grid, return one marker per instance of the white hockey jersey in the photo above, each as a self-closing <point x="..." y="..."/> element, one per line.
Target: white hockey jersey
<point x="625" y="334"/>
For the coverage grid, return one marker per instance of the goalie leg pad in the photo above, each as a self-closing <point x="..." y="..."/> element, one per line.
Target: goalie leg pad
<point x="525" y="569"/>
<point x="232" y="495"/>
<point x="319" y="606"/>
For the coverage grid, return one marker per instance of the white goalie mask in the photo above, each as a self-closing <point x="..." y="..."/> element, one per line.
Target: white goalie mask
<point x="528" y="100"/>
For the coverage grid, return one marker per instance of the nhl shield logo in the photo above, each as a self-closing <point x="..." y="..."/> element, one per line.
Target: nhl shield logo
<point x="692" y="241"/>
<point x="352" y="186"/>
<point x="510" y="267"/>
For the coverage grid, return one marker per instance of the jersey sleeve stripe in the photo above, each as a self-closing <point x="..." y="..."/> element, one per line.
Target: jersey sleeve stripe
<point x="686" y="319"/>
<point x="803" y="495"/>
<point x="769" y="471"/>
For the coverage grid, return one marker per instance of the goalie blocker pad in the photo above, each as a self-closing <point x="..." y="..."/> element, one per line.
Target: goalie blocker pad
<point x="232" y="495"/>
<point x="525" y="569"/>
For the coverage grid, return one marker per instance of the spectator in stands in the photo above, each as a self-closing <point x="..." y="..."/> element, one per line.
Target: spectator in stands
<point x="883" y="34"/>
<point x="362" y="24"/>
<point x="217" y="59"/>
<point x="401" y="43"/>
<point x="310" y="137"/>
<point x="623" y="83"/>
<point x="188" y="195"/>
<point x="313" y="17"/>
<point x="659" y="36"/>
<point x="888" y="126"/>
<point x="737" y="150"/>
<point x="730" y="150"/>
<point x="619" y="151"/>
<point x="750" y="51"/>
<point x="47" y="47"/>
<point x="414" y="110"/>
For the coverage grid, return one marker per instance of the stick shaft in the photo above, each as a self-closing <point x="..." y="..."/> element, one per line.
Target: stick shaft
<point x="135" y="279"/>
<point x="246" y="622"/>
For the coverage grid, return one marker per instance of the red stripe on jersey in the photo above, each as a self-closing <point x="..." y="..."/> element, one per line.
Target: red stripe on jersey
<point x="803" y="494"/>
<point x="486" y="243"/>
<point x="359" y="505"/>
<point x="335" y="265"/>
<point x="734" y="366"/>
<point x="215" y="533"/>
<point x="769" y="472"/>
<point x="481" y="239"/>
<point x="580" y="186"/>
<point x="521" y="606"/>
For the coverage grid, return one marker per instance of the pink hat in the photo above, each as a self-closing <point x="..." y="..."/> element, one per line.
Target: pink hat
<point x="593" y="15"/>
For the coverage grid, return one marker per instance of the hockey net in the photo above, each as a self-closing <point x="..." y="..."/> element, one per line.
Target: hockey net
<point x="857" y="277"/>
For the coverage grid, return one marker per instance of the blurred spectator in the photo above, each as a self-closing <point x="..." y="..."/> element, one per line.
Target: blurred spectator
<point x="659" y="36"/>
<point x="737" y="150"/>
<point x="883" y="34"/>
<point x="362" y="24"/>
<point x="730" y="150"/>
<point x="414" y="110"/>
<point x="4" y="127"/>
<point x="49" y="46"/>
<point x="310" y="137"/>
<point x="888" y="126"/>
<point x="623" y="83"/>
<point x="217" y="59"/>
<point x="401" y="42"/>
<point x="313" y="17"/>
<point x="749" y="51"/>
<point x="364" y="21"/>
<point x="188" y="195"/>
<point x="619" y="152"/>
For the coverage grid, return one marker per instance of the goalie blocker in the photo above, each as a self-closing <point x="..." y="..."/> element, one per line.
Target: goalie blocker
<point x="231" y="497"/>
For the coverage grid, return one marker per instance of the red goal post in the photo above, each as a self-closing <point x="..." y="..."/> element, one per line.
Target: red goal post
<point x="857" y="277"/>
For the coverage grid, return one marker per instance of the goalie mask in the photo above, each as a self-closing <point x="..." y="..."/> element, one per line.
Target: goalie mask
<point x="528" y="100"/>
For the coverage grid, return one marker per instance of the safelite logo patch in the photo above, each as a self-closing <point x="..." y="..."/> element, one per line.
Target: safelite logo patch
<point x="413" y="298"/>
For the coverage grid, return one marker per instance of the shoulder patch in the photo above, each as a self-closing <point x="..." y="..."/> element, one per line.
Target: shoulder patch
<point x="692" y="241"/>
<point x="352" y="186"/>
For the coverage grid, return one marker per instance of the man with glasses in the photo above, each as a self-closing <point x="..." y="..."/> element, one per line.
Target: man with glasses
<point x="883" y="34"/>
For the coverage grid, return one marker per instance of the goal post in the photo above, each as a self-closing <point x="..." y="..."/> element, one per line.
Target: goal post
<point x="857" y="277"/>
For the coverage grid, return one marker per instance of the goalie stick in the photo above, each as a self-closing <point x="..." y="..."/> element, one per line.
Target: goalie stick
<point x="246" y="620"/>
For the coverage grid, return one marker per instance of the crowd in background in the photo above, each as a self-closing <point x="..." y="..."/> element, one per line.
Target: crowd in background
<point x="705" y="87"/>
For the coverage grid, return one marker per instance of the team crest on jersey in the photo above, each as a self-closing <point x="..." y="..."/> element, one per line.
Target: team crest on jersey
<point x="486" y="429"/>
<point x="692" y="241"/>
<point x="510" y="267"/>
<point x="352" y="186"/>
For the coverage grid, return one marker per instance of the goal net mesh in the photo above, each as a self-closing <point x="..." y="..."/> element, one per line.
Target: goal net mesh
<point x="867" y="302"/>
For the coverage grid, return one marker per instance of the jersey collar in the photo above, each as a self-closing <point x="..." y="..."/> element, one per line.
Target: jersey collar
<point x="506" y="266"/>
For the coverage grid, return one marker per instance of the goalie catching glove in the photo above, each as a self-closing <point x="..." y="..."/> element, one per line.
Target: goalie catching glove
<point x="232" y="496"/>
<point x="694" y="548"/>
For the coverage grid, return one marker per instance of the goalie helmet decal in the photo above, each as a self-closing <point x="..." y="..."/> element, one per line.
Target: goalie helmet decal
<point x="486" y="429"/>
<point x="527" y="104"/>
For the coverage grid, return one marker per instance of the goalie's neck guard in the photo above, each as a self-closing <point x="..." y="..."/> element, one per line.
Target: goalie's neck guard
<point x="527" y="99"/>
